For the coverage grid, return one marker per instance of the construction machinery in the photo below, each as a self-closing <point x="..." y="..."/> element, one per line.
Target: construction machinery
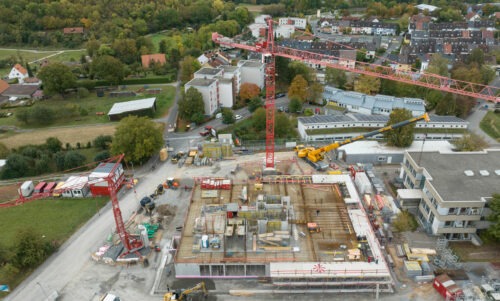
<point x="269" y="51"/>
<point x="315" y="156"/>
<point x="181" y="295"/>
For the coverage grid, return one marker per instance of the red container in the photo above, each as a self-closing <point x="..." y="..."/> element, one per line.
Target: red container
<point x="447" y="287"/>
<point x="50" y="187"/>
<point x="40" y="186"/>
<point x="380" y="201"/>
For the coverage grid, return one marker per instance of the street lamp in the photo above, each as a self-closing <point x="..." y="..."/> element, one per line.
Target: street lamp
<point x="43" y="290"/>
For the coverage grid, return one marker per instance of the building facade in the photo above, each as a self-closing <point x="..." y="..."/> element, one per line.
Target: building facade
<point x="252" y="72"/>
<point x="209" y="89"/>
<point x="454" y="196"/>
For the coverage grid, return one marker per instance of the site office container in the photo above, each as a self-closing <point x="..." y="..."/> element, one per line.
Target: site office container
<point x="49" y="187"/>
<point x="447" y="287"/>
<point x="40" y="186"/>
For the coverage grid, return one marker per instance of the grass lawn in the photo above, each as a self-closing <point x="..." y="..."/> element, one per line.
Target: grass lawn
<point x="491" y="125"/>
<point x="469" y="252"/>
<point x="92" y="104"/>
<point x="56" y="219"/>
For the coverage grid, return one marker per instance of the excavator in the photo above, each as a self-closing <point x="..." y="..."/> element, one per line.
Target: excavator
<point x="315" y="156"/>
<point x="181" y="295"/>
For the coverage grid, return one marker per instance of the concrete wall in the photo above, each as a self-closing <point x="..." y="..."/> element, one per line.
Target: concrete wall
<point x="226" y="99"/>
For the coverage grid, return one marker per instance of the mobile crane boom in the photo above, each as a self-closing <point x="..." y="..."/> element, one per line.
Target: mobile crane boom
<point x="315" y="155"/>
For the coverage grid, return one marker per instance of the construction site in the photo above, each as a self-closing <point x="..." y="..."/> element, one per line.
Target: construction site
<point x="306" y="232"/>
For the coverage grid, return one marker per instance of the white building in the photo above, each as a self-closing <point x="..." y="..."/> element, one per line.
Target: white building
<point x="252" y="72"/>
<point x="226" y="92"/>
<point x="234" y="73"/>
<point x="261" y="19"/>
<point x="300" y="23"/>
<point x="456" y="188"/>
<point x="258" y="29"/>
<point x="284" y="31"/>
<point x="18" y="72"/>
<point x="208" y="73"/>
<point x="340" y="127"/>
<point x="75" y="187"/>
<point x="209" y="90"/>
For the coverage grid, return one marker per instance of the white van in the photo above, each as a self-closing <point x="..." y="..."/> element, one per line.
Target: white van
<point x="218" y="116"/>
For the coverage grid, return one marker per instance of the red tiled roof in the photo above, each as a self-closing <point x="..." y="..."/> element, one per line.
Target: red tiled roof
<point x="71" y="30"/>
<point x="148" y="58"/>
<point x="21" y="69"/>
<point x="3" y="86"/>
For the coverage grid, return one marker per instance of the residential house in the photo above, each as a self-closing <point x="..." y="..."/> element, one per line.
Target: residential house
<point x="148" y="59"/>
<point x="208" y="73"/>
<point x="18" y="72"/>
<point x="258" y="30"/>
<point x="347" y="58"/>
<point x="252" y="72"/>
<point x="454" y="196"/>
<point x="209" y="90"/>
<point x="284" y="31"/>
<point x="233" y="73"/>
<point x="299" y="23"/>
<point x="261" y="19"/>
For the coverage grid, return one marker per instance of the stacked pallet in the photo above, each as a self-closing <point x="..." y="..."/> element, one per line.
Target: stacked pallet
<point x="412" y="268"/>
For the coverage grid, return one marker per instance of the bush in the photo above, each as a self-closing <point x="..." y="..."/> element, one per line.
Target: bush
<point x="405" y="222"/>
<point x="82" y="92"/>
<point x="103" y="141"/>
<point x="101" y="156"/>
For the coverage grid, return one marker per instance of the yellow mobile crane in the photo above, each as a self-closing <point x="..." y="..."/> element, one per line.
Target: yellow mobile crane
<point x="181" y="295"/>
<point x="315" y="156"/>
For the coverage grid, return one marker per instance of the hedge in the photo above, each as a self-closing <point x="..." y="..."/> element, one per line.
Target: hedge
<point x="130" y="81"/>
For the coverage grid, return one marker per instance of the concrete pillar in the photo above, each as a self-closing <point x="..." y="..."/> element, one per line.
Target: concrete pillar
<point x="377" y="292"/>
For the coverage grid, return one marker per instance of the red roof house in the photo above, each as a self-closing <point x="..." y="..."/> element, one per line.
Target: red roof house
<point x="148" y="58"/>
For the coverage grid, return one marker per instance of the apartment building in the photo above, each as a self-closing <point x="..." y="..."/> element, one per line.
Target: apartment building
<point x="455" y="189"/>
<point x="209" y="89"/>
<point x="252" y="72"/>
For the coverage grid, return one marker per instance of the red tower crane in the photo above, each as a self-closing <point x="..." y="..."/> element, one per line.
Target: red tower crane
<point x="269" y="51"/>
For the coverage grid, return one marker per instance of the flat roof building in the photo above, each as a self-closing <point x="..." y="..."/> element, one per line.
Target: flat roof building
<point x="140" y="107"/>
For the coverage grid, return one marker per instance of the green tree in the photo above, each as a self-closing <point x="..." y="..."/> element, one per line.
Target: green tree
<point x="295" y="105"/>
<point x="367" y="84"/>
<point x="433" y="98"/>
<point x="494" y="217"/>
<point x="315" y="93"/>
<point x="53" y="144"/>
<point x="101" y="156"/>
<point x="255" y="103"/>
<point x="298" y="88"/>
<point x="107" y="68"/>
<point x="31" y="249"/>
<point x="283" y="126"/>
<point x="17" y="166"/>
<point x="470" y="142"/>
<point x="125" y="50"/>
<point x="42" y="115"/>
<point x="56" y="78"/>
<point x="299" y="68"/>
<point x="227" y="116"/>
<point x="447" y="105"/>
<point x="403" y="136"/>
<point x="259" y="119"/>
<point x="103" y="141"/>
<point x="476" y="57"/>
<point x="335" y="77"/>
<point x="73" y="159"/>
<point x="188" y="66"/>
<point x="92" y="47"/>
<point x="191" y="103"/>
<point x="438" y="65"/>
<point x="138" y="138"/>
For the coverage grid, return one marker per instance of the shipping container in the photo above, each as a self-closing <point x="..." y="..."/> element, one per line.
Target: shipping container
<point x="447" y="287"/>
<point x="40" y="186"/>
<point x="49" y="187"/>
<point x="57" y="190"/>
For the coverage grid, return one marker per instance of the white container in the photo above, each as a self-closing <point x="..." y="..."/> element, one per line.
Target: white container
<point x="204" y="241"/>
<point x="27" y="188"/>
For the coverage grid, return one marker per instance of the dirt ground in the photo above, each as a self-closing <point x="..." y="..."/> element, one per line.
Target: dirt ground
<point x="8" y="192"/>
<point x="70" y="135"/>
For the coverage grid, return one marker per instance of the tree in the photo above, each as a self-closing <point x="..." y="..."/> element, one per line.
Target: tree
<point x="30" y="249"/>
<point x="188" y="66"/>
<point x="191" y="103"/>
<point x="446" y="106"/>
<point x="255" y="103"/>
<point x="56" y="78"/>
<point x="73" y="159"/>
<point x="438" y="65"/>
<point x="227" y="116"/>
<point x="101" y="156"/>
<point x="259" y="119"/>
<point x="249" y="91"/>
<point x="92" y="47"/>
<point x="476" y="57"/>
<point x="403" y="136"/>
<point x="315" y="93"/>
<point x="23" y="116"/>
<point x="283" y="126"/>
<point x="494" y="217"/>
<point x="470" y="142"/>
<point x="53" y="144"/>
<point x="107" y="68"/>
<point x="125" y="50"/>
<point x="367" y="84"/>
<point x="299" y="68"/>
<point x="295" y="105"/>
<point x="433" y="98"/>
<point x="138" y="138"/>
<point x="41" y="114"/>
<point x="17" y="166"/>
<point x="335" y="77"/>
<point x="298" y="88"/>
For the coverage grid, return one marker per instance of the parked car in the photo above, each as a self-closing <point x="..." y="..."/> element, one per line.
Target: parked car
<point x="205" y="133"/>
<point x="237" y="117"/>
<point x="279" y="95"/>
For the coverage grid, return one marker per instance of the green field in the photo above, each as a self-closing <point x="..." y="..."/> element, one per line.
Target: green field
<point x="55" y="219"/>
<point x="92" y="105"/>
<point x="491" y="125"/>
